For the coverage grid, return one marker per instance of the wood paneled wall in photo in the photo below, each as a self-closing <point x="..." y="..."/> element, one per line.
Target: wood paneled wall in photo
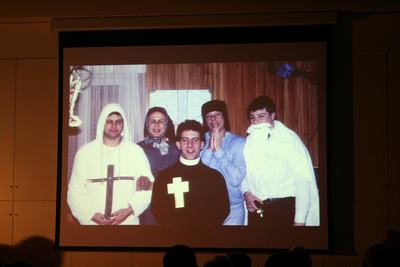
<point x="295" y="94"/>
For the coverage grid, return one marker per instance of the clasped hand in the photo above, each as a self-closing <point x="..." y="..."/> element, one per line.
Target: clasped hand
<point x="116" y="218"/>
<point x="215" y="138"/>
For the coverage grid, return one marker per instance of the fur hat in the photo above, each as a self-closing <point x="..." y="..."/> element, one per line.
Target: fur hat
<point x="215" y="105"/>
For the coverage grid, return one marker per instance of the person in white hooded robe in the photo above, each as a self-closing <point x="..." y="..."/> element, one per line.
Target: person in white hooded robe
<point x="279" y="188"/>
<point x="131" y="188"/>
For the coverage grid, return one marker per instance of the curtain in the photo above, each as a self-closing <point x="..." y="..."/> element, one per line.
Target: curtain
<point x="123" y="84"/>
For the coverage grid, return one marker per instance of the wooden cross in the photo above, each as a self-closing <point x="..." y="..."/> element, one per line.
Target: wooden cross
<point x="110" y="187"/>
<point x="178" y="188"/>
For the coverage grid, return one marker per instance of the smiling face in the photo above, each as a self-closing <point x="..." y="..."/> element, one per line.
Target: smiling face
<point x="156" y="124"/>
<point x="113" y="128"/>
<point x="190" y="144"/>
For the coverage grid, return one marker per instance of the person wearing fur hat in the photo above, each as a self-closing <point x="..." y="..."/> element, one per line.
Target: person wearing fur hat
<point x="223" y="151"/>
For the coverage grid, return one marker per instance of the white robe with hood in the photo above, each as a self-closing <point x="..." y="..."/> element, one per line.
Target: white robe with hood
<point x="85" y="198"/>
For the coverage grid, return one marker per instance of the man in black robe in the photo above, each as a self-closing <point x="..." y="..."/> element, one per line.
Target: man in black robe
<point x="189" y="192"/>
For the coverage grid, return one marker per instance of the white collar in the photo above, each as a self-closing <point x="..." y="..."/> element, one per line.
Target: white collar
<point x="189" y="162"/>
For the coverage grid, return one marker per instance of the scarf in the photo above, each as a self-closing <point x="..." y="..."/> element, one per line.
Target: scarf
<point x="157" y="142"/>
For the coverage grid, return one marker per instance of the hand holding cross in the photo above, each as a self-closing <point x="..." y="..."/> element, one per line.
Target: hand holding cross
<point x="108" y="217"/>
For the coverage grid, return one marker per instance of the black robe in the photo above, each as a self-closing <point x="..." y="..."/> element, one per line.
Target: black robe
<point x="206" y="203"/>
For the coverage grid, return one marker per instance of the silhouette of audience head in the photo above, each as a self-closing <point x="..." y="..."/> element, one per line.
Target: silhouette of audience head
<point x="301" y="257"/>
<point x="219" y="261"/>
<point x="6" y="254"/>
<point x="280" y="259"/>
<point x="35" y="251"/>
<point x="379" y="255"/>
<point x="392" y="238"/>
<point x="180" y="256"/>
<point x="240" y="259"/>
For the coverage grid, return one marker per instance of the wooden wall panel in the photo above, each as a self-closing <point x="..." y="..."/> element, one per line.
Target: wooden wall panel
<point x="370" y="127"/>
<point x="382" y="27"/>
<point x="393" y="124"/>
<point x="6" y="220"/>
<point x="102" y="259"/>
<point x="177" y="76"/>
<point x="28" y="40"/>
<point x="66" y="259"/>
<point x="341" y="260"/>
<point x="234" y="86"/>
<point x="372" y="221"/>
<point x="34" y="218"/>
<point x="370" y="147"/>
<point x="239" y="83"/>
<point x="394" y="217"/>
<point x="148" y="259"/>
<point x="7" y="109"/>
<point x="36" y="130"/>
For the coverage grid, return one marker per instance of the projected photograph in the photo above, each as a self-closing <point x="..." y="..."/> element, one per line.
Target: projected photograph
<point x="224" y="154"/>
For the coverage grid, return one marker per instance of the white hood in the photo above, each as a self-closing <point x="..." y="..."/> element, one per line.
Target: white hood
<point x="105" y="112"/>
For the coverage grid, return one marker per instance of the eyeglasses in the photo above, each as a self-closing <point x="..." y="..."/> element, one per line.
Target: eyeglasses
<point x="159" y="122"/>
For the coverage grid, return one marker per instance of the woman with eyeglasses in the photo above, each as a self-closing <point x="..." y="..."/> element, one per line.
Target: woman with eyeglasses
<point x="159" y="147"/>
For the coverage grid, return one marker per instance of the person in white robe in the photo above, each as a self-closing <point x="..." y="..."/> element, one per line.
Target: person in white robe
<point x="87" y="189"/>
<point x="278" y="166"/>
